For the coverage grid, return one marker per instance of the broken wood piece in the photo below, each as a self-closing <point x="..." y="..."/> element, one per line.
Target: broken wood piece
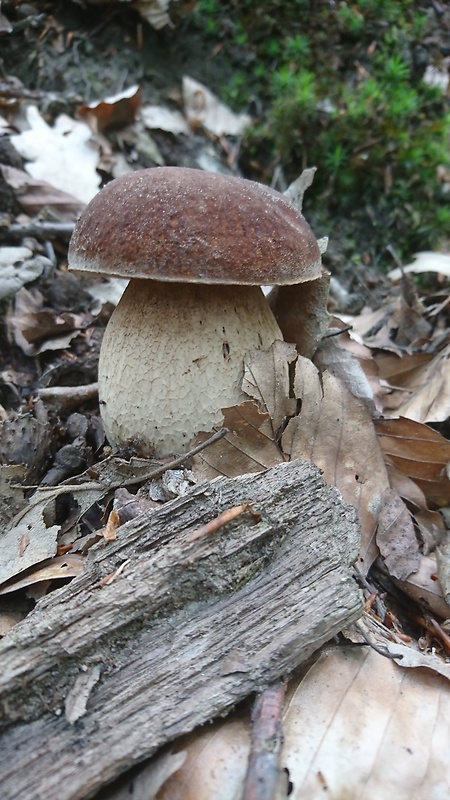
<point x="182" y="631"/>
<point x="265" y="779"/>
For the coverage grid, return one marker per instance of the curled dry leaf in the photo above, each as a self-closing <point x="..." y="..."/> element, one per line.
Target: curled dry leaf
<point x="112" y="113"/>
<point x="296" y="190"/>
<point x="59" y="568"/>
<point x="424" y="262"/>
<point x="37" y="329"/>
<point x="420" y="453"/>
<point x="164" y="119"/>
<point x="424" y="587"/>
<point x="18" y="266"/>
<point x="341" y="363"/>
<point x="301" y="312"/>
<point x="35" y="194"/>
<point x="203" y="109"/>
<point x="430" y="523"/>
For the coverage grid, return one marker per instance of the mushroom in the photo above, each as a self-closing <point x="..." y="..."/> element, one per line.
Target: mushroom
<point x="196" y="247"/>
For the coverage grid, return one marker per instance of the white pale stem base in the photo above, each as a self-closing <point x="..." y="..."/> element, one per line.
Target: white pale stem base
<point x="172" y="357"/>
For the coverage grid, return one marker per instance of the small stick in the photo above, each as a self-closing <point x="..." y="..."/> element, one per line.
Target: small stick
<point x="383" y="651"/>
<point x="264" y="778"/>
<point x="223" y="519"/>
<point x="177" y="462"/>
<point x="433" y="626"/>
<point x="68" y="396"/>
<point x="41" y="230"/>
<point x="146" y="476"/>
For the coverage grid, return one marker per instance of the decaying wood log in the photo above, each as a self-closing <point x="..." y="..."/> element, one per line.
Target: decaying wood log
<point x="168" y="627"/>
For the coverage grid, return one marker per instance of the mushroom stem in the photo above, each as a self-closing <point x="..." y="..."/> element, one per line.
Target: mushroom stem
<point x="172" y="357"/>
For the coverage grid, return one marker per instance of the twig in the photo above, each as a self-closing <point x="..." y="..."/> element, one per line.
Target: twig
<point x="146" y="476"/>
<point x="69" y="396"/>
<point x="264" y="777"/>
<point x="223" y="519"/>
<point x="177" y="462"/>
<point x="41" y="230"/>
<point x="383" y="651"/>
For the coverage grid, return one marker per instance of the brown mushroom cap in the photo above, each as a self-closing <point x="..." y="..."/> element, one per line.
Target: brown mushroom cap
<point x="187" y="225"/>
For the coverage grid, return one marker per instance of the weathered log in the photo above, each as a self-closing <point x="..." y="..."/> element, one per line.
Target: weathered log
<point x="169" y="627"/>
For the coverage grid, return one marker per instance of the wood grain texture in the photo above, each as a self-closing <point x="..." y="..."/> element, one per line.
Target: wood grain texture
<point x="185" y="628"/>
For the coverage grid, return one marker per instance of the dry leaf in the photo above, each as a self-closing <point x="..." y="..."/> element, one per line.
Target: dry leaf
<point x="63" y="154"/>
<point x="424" y="587"/>
<point x="358" y="726"/>
<point x="215" y="763"/>
<point x="341" y="363"/>
<point x="203" y="109"/>
<point x="154" y="12"/>
<point x="36" y="329"/>
<point x="266" y="380"/>
<point x="19" y="266"/>
<point x="335" y="431"/>
<point x="420" y="453"/>
<point x="112" y="113"/>
<point x="396" y="537"/>
<point x="248" y="447"/>
<point x="37" y="196"/>
<point x="296" y="190"/>
<point x="164" y="119"/>
<point x="424" y="262"/>
<point x="430" y="523"/>
<point x="429" y="397"/>
<point x="53" y="569"/>
<point x="301" y="312"/>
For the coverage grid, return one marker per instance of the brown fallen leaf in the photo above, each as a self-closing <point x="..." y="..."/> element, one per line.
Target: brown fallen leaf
<point x="357" y="725"/>
<point x="249" y="446"/>
<point x="429" y="393"/>
<point x="420" y="453"/>
<point x="301" y="312"/>
<point x="112" y="113"/>
<point x="266" y="380"/>
<point x="430" y="523"/>
<point x="396" y="536"/>
<point x="335" y="431"/>
<point x="36" y="329"/>
<point x="341" y="363"/>
<point x="35" y="195"/>
<point x="68" y="566"/>
<point x="424" y="587"/>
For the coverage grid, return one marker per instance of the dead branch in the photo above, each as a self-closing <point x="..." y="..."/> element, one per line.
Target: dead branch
<point x="162" y="632"/>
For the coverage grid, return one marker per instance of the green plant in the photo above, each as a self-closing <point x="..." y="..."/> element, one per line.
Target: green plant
<point x="342" y="90"/>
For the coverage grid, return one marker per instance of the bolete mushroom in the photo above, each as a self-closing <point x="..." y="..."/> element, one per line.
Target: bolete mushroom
<point x="197" y="247"/>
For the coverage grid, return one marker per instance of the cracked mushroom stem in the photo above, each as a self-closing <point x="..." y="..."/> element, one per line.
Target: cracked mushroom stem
<point x="196" y="247"/>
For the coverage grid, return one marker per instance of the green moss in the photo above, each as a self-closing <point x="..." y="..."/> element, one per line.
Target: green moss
<point x="341" y="88"/>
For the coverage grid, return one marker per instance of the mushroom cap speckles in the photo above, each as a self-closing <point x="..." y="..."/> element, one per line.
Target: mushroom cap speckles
<point x="187" y="225"/>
